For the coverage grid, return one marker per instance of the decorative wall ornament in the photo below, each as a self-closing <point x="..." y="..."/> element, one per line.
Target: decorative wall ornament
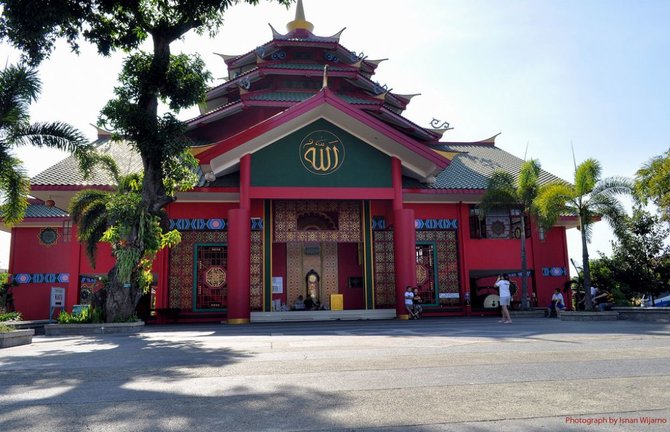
<point x="378" y="223"/>
<point x="245" y="83"/>
<point x="554" y="271"/>
<point x="279" y="55"/>
<point x="24" y="278"/>
<point x="215" y="277"/>
<point x="436" y="224"/>
<point x="331" y="56"/>
<point x="180" y="281"/>
<point x="421" y="274"/>
<point x="48" y="236"/>
<point x="199" y="224"/>
<point x="286" y="221"/>
<point x="321" y="152"/>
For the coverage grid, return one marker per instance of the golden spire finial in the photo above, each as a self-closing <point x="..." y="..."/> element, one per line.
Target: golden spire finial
<point x="300" y="22"/>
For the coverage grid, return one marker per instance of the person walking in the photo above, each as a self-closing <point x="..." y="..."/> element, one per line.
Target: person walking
<point x="505" y="297"/>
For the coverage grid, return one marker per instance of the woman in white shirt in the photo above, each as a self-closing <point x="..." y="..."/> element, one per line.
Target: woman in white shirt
<point x="557" y="303"/>
<point x="505" y="298"/>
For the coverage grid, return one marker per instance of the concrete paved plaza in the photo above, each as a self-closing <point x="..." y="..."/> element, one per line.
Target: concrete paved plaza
<point x="448" y="374"/>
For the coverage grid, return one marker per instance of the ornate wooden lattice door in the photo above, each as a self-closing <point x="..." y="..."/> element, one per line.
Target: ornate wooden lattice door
<point x="211" y="286"/>
<point x="425" y="272"/>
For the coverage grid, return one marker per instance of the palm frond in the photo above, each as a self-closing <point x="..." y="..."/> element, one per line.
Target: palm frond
<point x="586" y="176"/>
<point x="56" y="135"/>
<point x="528" y="186"/>
<point x="19" y="87"/>
<point x="84" y="200"/>
<point x="552" y="201"/>
<point x="613" y="186"/>
<point x="90" y="159"/>
<point x="14" y="187"/>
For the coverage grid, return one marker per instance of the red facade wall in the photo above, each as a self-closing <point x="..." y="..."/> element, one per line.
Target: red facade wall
<point x="279" y="268"/>
<point x="28" y="255"/>
<point x="348" y="266"/>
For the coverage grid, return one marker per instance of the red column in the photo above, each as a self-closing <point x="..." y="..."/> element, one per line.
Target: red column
<point x="72" y="291"/>
<point x="239" y="250"/>
<point x="404" y="249"/>
<point x="396" y="179"/>
<point x="239" y="260"/>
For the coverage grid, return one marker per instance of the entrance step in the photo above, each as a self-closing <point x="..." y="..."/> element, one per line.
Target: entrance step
<point x="325" y="315"/>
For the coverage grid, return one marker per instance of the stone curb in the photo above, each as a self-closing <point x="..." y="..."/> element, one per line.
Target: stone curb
<point x="91" y="329"/>
<point x="16" y="338"/>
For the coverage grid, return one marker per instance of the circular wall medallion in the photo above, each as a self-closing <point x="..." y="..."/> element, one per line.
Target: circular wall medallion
<point x="421" y="274"/>
<point x="215" y="277"/>
<point x="321" y="152"/>
<point x="48" y="236"/>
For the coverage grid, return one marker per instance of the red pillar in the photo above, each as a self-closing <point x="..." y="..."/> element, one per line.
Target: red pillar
<point x="239" y="260"/>
<point x="239" y="250"/>
<point x="396" y="179"/>
<point x="404" y="249"/>
<point x="72" y="291"/>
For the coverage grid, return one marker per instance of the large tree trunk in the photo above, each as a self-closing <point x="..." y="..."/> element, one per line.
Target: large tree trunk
<point x="524" y="266"/>
<point x="588" y="302"/>
<point x="121" y="300"/>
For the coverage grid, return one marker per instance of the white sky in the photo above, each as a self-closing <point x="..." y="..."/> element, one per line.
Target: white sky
<point x="547" y="74"/>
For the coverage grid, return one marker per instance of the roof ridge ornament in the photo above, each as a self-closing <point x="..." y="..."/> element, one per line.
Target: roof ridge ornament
<point x="435" y="124"/>
<point x="300" y="23"/>
<point x="226" y="57"/>
<point x="338" y="34"/>
<point x="275" y="33"/>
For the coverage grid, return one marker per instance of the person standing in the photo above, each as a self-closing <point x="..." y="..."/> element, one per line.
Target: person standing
<point x="505" y="297"/>
<point x="409" y="301"/>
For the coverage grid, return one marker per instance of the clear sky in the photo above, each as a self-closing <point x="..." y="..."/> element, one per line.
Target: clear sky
<point x="547" y="74"/>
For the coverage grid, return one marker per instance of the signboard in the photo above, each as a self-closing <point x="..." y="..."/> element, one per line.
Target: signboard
<point x="449" y="295"/>
<point x="78" y="309"/>
<point x="277" y="285"/>
<point x="57" y="297"/>
<point x="57" y="300"/>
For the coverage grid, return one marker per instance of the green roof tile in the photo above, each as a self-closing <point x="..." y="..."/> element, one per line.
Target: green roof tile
<point x="473" y="166"/>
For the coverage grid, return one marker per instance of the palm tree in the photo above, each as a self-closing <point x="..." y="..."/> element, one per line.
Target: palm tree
<point x="19" y="87"/>
<point x="590" y="198"/>
<point x="504" y="191"/>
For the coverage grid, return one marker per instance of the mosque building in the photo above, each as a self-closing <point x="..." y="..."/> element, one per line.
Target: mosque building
<point x="312" y="184"/>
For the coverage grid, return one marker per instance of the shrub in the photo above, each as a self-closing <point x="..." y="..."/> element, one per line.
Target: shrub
<point x="87" y="316"/>
<point x="4" y="328"/>
<point x="10" y="316"/>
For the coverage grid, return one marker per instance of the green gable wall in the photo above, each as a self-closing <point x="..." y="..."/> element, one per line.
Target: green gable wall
<point x="282" y="163"/>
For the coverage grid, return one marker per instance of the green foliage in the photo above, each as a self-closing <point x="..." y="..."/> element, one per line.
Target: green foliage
<point x="88" y="315"/>
<point x="19" y="87"/>
<point x="590" y="198"/>
<point x="504" y="191"/>
<point x="4" y="328"/>
<point x="641" y="255"/>
<point x="10" y="316"/>
<point x="652" y="183"/>
<point x="131" y="217"/>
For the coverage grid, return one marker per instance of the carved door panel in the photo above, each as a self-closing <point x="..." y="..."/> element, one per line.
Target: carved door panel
<point x="211" y="287"/>
<point x="425" y="272"/>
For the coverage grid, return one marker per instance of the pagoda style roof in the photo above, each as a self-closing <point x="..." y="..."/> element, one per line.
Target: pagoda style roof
<point x="291" y="67"/>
